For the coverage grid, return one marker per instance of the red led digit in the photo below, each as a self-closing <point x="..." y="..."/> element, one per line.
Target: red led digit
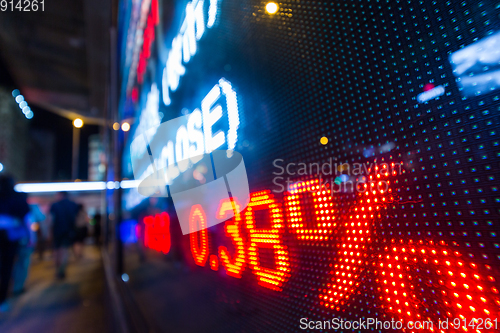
<point x="267" y="238"/>
<point x="234" y="267"/>
<point x="157" y="232"/>
<point x="295" y="202"/>
<point x="198" y="239"/>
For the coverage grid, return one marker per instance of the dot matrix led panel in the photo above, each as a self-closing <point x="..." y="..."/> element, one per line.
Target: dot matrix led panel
<point x="406" y="93"/>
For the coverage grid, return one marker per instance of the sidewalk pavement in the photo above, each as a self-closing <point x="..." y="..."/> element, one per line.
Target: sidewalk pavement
<point x="74" y="305"/>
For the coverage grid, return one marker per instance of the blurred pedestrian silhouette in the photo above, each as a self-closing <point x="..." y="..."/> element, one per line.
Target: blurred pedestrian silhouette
<point x="26" y="247"/>
<point x="64" y="213"/>
<point x="13" y="210"/>
<point x="81" y="231"/>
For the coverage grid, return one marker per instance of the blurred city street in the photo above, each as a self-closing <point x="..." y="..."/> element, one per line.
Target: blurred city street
<point x="74" y="305"/>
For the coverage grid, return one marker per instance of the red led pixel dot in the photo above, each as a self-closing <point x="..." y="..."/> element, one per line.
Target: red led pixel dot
<point x="429" y="86"/>
<point x="214" y="262"/>
<point x="198" y="239"/>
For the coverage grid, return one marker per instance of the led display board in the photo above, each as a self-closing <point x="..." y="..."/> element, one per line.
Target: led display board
<point x="369" y="132"/>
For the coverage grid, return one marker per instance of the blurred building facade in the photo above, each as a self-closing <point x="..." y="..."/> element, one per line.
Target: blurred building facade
<point x="13" y="136"/>
<point x="96" y="159"/>
<point x="41" y="155"/>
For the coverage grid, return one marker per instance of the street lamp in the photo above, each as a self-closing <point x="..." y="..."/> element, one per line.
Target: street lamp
<point x="77" y="124"/>
<point x="272" y="8"/>
<point x="125" y="127"/>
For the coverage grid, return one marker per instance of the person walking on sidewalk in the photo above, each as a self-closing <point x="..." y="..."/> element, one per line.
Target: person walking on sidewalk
<point x="64" y="213"/>
<point x="13" y="210"/>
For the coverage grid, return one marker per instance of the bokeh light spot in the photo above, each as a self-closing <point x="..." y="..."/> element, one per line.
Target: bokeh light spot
<point x="272" y="8"/>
